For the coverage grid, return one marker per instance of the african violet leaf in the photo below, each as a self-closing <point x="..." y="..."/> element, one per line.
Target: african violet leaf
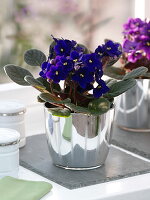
<point x="47" y="97"/>
<point x="111" y="82"/>
<point x="34" y="82"/>
<point x="60" y="112"/>
<point x="99" y="106"/>
<point x="147" y="75"/>
<point x="114" y="72"/>
<point x="111" y="62"/>
<point x="78" y="109"/>
<point x="40" y="100"/>
<point x="45" y="83"/>
<point x="120" y="87"/>
<point x="34" y="57"/>
<point x="17" y="74"/>
<point x="135" y="73"/>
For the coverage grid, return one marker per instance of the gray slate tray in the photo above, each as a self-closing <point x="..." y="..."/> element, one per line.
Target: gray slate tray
<point x="35" y="156"/>
<point x="135" y="142"/>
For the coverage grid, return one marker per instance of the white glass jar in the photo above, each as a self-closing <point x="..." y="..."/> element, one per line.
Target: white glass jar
<point x="12" y="116"/>
<point x="9" y="152"/>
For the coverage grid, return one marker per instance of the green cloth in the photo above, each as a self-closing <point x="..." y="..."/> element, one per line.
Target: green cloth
<point x="17" y="189"/>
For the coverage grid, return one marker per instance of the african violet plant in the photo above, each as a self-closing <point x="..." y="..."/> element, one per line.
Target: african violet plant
<point x="136" y="48"/>
<point x="81" y="72"/>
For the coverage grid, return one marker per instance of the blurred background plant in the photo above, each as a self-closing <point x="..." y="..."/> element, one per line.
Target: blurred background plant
<point x="29" y="24"/>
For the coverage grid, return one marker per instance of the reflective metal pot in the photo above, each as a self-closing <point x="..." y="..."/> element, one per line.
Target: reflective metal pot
<point x="80" y="141"/>
<point x="133" y="108"/>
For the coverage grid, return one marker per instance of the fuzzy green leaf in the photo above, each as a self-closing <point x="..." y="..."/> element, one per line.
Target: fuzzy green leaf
<point x="147" y="75"/>
<point x="34" y="82"/>
<point x="44" y="82"/>
<point x="135" y="73"/>
<point x="111" y="82"/>
<point x="60" y="112"/>
<point x="114" y="72"/>
<point x="120" y="87"/>
<point x="17" y="74"/>
<point x="99" y="106"/>
<point x="34" y="57"/>
<point x="78" y="109"/>
<point x="47" y="97"/>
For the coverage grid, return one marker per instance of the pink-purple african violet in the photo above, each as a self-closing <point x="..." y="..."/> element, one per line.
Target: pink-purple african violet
<point x="136" y="39"/>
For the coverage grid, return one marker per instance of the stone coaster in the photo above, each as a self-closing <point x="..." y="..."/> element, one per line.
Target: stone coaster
<point x="135" y="142"/>
<point x="35" y="157"/>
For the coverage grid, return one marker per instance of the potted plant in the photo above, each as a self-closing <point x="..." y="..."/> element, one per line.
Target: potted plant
<point x="79" y="104"/>
<point x="133" y="106"/>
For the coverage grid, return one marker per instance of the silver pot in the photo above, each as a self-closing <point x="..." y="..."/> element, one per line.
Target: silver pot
<point x="133" y="108"/>
<point x="80" y="141"/>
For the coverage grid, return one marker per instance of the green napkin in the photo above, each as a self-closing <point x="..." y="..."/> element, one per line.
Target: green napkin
<point x="17" y="189"/>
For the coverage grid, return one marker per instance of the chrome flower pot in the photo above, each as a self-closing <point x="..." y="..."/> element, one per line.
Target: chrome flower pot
<point x="79" y="142"/>
<point x="133" y="108"/>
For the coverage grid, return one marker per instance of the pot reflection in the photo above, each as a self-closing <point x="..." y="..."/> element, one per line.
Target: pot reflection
<point x="133" y="108"/>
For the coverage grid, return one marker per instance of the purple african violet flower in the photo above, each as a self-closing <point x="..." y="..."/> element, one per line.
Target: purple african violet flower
<point x="146" y="29"/>
<point x="145" y="46"/>
<point x="100" y="89"/>
<point x="129" y="46"/>
<point x="137" y="39"/>
<point x="83" y="77"/>
<point x="63" y="47"/>
<point x="98" y="75"/>
<point x="134" y="56"/>
<point x="92" y="61"/>
<point x="67" y="64"/>
<point x="70" y="61"/>
<point x="112" y="49"/>
<point x="45" y="68"/>
<point x="133" y="23"/>
<point x="75" y="55"/>
<point x="100" y="51"/>
<point x="56" y="74"/>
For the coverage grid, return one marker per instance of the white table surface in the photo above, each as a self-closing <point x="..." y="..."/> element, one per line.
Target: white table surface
<point x="132" y="188"/>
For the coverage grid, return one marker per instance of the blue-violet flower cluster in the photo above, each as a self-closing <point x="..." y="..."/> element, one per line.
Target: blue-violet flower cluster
<point x="136" y="42"/>
<point x="69" y="62"/>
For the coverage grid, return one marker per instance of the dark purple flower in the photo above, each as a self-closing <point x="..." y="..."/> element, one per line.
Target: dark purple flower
<point x="100" y="51"/>
<point x="63" y="47"/>
<point x="129" y="46"/>
<point x="79" y="48"/>
<point x="56" y="74"/>
<point x="100" y="89"/>
<point x="67" y="64"/>
<point x="74" y="56"/>
<point x="98" y="74"/>
<point x="83" y="77"/>
<point x="92" y="62"/>
<point x="134" y="56"/>
<point x="45" y="68"/>
<point x="112" y="49"/>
